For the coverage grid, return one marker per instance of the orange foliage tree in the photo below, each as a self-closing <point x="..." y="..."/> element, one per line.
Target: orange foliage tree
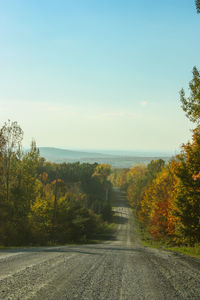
<point x="162" y="217"/>
<point x="188" y="192"/>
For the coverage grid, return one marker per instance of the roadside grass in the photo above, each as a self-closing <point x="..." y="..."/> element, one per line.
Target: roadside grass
<point x="190" y="251"/>
<point x="147" y="241"/>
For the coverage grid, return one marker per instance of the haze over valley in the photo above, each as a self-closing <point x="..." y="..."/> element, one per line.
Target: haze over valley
<point x="117" y="159"/>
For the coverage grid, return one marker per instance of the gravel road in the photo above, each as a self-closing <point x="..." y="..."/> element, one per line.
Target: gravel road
<point x="117" y="269"/>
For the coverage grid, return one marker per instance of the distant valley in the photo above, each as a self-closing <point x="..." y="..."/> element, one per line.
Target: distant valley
<point x="117" y="161"/>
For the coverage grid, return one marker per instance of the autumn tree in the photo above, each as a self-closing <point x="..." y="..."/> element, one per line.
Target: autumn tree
<point x="137" y="182"/>
<point x="188" y="194"/>
<point x="162" y="197"/>
<point x="102" y="171"/>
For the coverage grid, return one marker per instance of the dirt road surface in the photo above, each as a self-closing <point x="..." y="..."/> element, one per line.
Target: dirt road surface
<point x="117" y="269"/>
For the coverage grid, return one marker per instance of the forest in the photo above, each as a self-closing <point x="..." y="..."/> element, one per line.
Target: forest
<point x="44" y="203"/>
<point x="166" y="197"/>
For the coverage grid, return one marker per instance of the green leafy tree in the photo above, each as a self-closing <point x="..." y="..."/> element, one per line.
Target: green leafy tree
<point x="3" y="206"/>
<point x="153" y="168"/>
<point x="2" y="144"/>
<point x="43" y="202"/>
<point x="13" y="136"/>
<point x="198" y="5"/>
<point x="101" y="173"/>
<point x="25" y="192"/>
<point x="191" y="104"/>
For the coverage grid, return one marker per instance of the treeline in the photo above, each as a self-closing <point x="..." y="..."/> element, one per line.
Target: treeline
<point x="47" y="203"/>
<point x="166" y="197"/>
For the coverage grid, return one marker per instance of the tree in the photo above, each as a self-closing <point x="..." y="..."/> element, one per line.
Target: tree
<point x="136" y="178"/>
<point x="3" y="208"/>
<point x="197" y="5"/>
<point x="153" y="168"/>
<point x="13" y="136"/>
<point x="158" y="204"/>
<point x="162" y="216"/>
<point x="59" y="189"/>
<point x="188" y="190"/>
<point x="2" y="141"/>
<point x="191" y="104"/>
<point x="101" y="173"/>
<point x="25" y="187"/>
<point x="2" y="144"/>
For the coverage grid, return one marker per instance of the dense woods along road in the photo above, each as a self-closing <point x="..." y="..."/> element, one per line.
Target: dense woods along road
<point x="117" y="269"/>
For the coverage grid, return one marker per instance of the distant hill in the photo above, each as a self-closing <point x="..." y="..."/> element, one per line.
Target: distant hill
<point x="117" y="161"/>
<point x="56" y="154"/>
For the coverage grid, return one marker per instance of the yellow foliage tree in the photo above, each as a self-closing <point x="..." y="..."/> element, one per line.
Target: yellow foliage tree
<point x="158" y="205"/>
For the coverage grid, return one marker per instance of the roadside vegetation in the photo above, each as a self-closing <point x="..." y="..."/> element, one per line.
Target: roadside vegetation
<point x="47" y="203"/>
<point x="166" y="197"/>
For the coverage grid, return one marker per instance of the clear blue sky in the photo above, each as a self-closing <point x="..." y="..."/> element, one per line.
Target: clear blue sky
<point x="99" y="74"/>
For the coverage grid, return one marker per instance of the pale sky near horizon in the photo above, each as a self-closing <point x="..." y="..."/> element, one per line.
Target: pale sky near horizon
<point x="98" y="74"/>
